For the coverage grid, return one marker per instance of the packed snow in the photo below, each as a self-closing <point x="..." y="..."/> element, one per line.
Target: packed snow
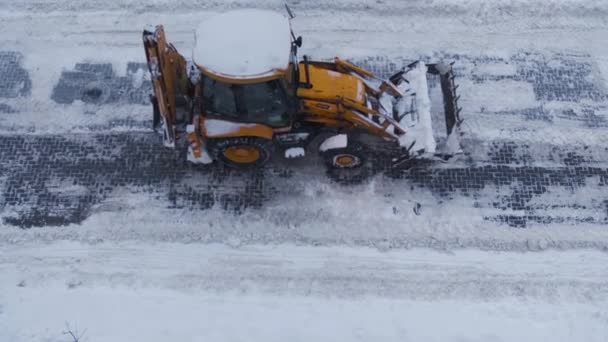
<point x="504" y="95"/>
<point x="419" y="136"/>
<point x="204" y="157"/>
<point x="334" y="142"/>
<point x="215" y="127"/>
<point x="294" y="152"/>
<point x="244" y="44"/>
<point x="158" y="292"/>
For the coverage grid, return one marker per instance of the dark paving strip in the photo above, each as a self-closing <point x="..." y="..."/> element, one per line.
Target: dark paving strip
<point x="6" y="109"/>
<point x="532" y="154"/>
<point x="561" y="77"/>
<point x="521" y="183"/>
<point x="55" y="180"/>
<point x="14" y="79"/>
<point x="99" y="84"/>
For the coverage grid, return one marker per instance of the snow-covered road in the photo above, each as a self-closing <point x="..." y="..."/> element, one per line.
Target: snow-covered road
<point x="126" y="291"/>
<point x="506" y="244"/>
<point x="336" y="271"/>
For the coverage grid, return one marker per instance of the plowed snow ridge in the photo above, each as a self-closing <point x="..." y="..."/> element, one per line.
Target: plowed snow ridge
<point x="215" y="292"/>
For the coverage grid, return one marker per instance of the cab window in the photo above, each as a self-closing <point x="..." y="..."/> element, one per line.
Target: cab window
<point x="262" y="102"/>
<point x="219" y="98"/>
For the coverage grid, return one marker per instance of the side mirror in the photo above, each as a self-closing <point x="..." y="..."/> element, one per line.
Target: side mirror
<point x="298" y="41"/>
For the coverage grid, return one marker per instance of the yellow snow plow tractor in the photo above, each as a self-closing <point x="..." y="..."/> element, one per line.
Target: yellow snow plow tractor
<point x="245" y="94"/>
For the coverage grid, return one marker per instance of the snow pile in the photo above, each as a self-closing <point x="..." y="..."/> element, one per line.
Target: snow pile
<point x="452" y="143"/>
<point x="244" y="43"/>
<point x="204" y="157"/>
<point x="420" y="133"/>
<point x="335" y="142"/>
<point x="215" y="127"/>
<point x="294" y="152"/>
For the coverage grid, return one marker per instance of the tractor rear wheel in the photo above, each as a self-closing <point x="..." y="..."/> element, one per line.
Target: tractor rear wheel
<point x="348" y="165"/>
<point x="241" y="152"/>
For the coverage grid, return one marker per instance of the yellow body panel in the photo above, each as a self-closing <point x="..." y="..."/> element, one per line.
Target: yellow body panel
<point x="319" y="108"/>
<point x="330" y="85"/>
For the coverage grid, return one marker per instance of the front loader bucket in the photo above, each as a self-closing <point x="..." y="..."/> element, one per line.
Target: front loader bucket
<point x="450" y="98"/>
<point x="417" y="115"/>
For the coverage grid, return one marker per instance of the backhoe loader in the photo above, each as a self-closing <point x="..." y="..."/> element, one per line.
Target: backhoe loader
<point x="245" y="94"/>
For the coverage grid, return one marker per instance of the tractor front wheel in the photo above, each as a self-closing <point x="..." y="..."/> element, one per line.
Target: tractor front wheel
<point x="241" y="152"/>
<point x="348" y="165"/>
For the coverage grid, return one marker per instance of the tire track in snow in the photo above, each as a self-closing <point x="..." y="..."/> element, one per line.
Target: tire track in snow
<point x="336" y="272"/>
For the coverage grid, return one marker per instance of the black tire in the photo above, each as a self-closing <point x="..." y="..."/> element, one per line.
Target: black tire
<point x="155" y="113"/>
<point x="218" y="148"/>
<point x="344" y="172"/>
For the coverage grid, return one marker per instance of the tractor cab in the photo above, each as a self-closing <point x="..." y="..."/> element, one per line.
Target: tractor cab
<point x="264" y="103"/>
<point x="245" y="73"/>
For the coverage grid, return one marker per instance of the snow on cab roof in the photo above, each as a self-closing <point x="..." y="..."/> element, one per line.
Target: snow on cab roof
<point x="243" y="44"/>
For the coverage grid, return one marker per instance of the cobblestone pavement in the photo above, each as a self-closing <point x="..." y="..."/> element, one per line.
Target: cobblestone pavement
<point x="99" y="84"/>
<point x="57" y="179"/>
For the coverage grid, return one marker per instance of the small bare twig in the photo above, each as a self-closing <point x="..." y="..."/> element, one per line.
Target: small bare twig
<point x="76" y="337"/>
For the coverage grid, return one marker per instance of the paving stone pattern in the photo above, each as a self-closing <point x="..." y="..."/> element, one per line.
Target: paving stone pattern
<point x="57" y="179"/>
<point x="99" y="84"/>
<point x="14" y="79"/>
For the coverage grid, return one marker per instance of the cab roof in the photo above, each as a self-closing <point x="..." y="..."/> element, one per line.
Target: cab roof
<point x="244" y="45"/>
